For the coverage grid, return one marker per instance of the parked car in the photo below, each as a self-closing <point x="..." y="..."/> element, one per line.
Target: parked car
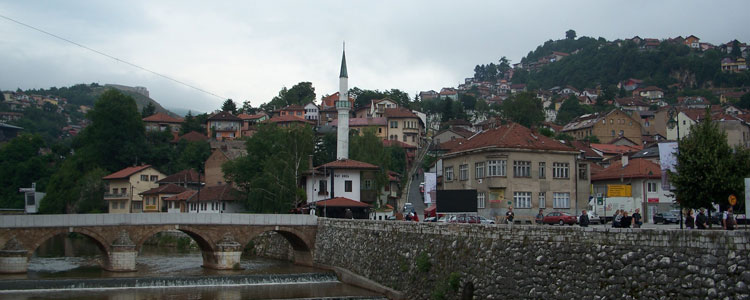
<point x="461" y="219"/>
<point x="484" y="220"/>
<point x="431" y="219"/>
<point x="594" y="218"/>
<point x="561" y="218"/>
<point x="666" y="218"/>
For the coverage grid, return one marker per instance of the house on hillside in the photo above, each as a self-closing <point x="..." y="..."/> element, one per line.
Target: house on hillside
<point x="214" y="174"/>
<point x="124" y="188"/>
<point x="404" y="125"/>
<point x="693" y="42"/>
<point x="449" y="93"/>
<point x="162" y="122"/>
<point x="649" y="92"/>
<point x="346" y="178"/>
<point x="289" y="121"/>
<point x="730" y="65"/>
<point x="427" y="95"/>
<point x="188" y="178"/>
<point x="512" y="164"/>
<point x="153" y="199"/>
<point x="378" y="107"/>
<point x="451" y="134"/>
<point x="630" y="84"/>
<point x="632" y="104"/>
<point x="312" y="112"/>
<point x="605" y="127"/>
<point x="215" y="199"/>
<point x="224" y="126"/>
<point x="378" y="125"/>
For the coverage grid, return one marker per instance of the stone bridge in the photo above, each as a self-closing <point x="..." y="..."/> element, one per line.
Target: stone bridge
<point x="221" y="237"/>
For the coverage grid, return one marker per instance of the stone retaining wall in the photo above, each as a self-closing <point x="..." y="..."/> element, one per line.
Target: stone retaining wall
<point x="452" y="261"/>
<point x="271" y="245"/>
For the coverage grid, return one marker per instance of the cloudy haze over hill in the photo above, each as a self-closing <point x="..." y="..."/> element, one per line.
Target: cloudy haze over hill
<point x="248" y="51"/>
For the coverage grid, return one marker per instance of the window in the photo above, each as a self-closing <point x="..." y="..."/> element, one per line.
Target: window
<point x="542" y="200"/>
<point x="560" y="170"/>
<point x="348" y="186"/>
<point x="113" y="204"/>
<point x="114" y="191"/>
<point x="404" y="138"/>
<point x="622" y="133"/>
<point x="463" y="172"/>
<point x="380" y="129"/>
<point x="322" y="187"/>
<point x="480" y="200"/>
<point x="144" y="177"/>
<point x="542" y="169"/>
<point x="448" y="173"/>
<point x="154" y="178"/>
<point x="521" y="168"/>
<point x="496" y="167"/>
<point x="522" y="199"/>
<point x="368" y="184"/>
<point x="136" y="205"/>
<point x="394" y="124"/>
<point x="122" y="204"/>
<point x="561" y="200"/>
<point x="123" y="191"/>
<point x="582" y="171"/>
<point x="613" y="133"/>
<point x="479" y="170"/>
<point x="652" y="187"/>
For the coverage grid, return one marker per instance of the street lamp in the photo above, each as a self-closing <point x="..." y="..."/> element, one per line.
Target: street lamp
<point x="674" y="121"/>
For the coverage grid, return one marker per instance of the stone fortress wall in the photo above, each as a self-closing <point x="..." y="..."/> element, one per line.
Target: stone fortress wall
<point x="454" y="261"/>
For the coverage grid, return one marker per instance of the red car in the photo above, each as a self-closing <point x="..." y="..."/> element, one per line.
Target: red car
<point x="561" y="218"/>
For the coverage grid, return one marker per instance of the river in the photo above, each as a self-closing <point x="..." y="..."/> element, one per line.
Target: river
<point x="68" y="268"/>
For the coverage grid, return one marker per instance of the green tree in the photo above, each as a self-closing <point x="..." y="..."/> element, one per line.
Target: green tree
<point x="468" y="101"/>
<point x="708" y="170"/>
<point x="229" y="106"/>
<point x="191" y="123"/>
<point x="247" y="108"/>
<point x="300" y="94"/>
<point x="524" y="109"/>
<point x="570" y="109"/>
<point x="570" y="34"/>
<point x="148" y="110"/>
<point x="325" y="149"/>
<point x="20" y="165"/>
<point x="744" y="102"/>
<point x="268" y="175"/>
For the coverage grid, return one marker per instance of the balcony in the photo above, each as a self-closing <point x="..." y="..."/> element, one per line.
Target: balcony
<point x="225" y="128"/>
<point x="112" y="196"/>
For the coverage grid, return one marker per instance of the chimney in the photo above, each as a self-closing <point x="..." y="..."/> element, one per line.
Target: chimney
<point x="624" y="161"/>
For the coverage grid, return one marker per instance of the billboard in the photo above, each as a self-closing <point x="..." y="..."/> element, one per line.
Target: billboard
<point x="456" y="201"/>
<point x="619" y="190"/>
<point x="430" y="182"/>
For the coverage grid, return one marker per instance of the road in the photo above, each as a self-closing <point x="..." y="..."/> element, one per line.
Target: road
<point x="415" y="197"/>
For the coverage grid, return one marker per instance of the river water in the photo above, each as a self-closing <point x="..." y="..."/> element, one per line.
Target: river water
<point x="68" y="268"/>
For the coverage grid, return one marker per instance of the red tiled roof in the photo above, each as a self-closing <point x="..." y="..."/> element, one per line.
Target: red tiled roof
<point x="216" y="193"/>
<point x="585" y="147"/>
<point x="399" y="112"/>
<point x="348" y="164"/>
<point x="616" y="149"/>
<point x="389" y="143"/>
<point x="187" y="194"/>
<point x="125" y="173"/>
<point x="331" y="100"/>
<point x="224" y="116"/>
<point x="193" y="136"/>
<point x="251" y="117"/>
<point x="186" y="176"/>
<point x="165" y="189"/>
<point x="293" y="107"/>
<point x="450" y="145"/>
<point x="511" y="135"/>
<point x="288" y="119"/>
<point x="341" y="202"/>
<point x="636" y="168"/>
<point x="162" y="118"/>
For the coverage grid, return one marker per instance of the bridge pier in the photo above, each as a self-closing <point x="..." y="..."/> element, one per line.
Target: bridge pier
<point x="13" y="258"/>
<point x="226" y="256"/>
<point x="121" y="256"/>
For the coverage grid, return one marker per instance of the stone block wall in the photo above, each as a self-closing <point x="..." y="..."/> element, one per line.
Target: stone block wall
<point x="271" y="245"/>
<point x="454" y="261"/>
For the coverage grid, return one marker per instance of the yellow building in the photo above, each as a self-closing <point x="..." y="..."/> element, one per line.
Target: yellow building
<point x="124" y="188"/>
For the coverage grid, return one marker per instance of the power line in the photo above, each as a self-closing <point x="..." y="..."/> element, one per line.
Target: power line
<point x="112" y="57"/>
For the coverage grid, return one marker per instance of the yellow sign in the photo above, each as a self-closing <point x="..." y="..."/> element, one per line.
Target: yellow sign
<point x="619" y="190"/>
<point x="732" y="200"/>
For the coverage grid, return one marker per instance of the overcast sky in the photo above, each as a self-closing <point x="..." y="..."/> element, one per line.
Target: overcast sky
<point x="248" y="50"/>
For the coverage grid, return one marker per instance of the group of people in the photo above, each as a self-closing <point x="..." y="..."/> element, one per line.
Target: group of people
<point x="728" y="222"/>
<point x="623" y="220"/>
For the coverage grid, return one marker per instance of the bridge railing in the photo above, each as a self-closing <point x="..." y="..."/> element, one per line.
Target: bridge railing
<point x="26" y="221"/>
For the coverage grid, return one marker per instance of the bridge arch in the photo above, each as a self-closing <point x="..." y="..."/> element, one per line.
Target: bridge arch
<point x="302" y="242"/>
<point x="32" y="241"/>
<point x="200" y="238"/>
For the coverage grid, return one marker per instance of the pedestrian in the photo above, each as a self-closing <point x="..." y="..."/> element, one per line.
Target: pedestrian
<point x="617" y="219"/>
<point x="509" y="215"/>
<point x="700" y="220"/>
<point x="637" y="218"/>
<point x="584" y="219"/>
<point x="348" y="214"/>
<point x="728" y="220"/>
<point x="626" y="220"/>
<point x="408" y="217"/>
<point x="690" y="220"/>
<point x="539" y="217"/>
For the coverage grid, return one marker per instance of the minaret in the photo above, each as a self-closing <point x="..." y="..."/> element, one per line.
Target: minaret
<point x="343" y="107"/>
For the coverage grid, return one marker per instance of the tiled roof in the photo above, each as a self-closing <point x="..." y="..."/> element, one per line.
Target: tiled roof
<point x="293" y="107"/>
<point x="162" y="118"/>
<point x="389" y="143"/>
<point x="125" y="173"/>
<point x="636" y="168"/>
<point x="511" y="135"/>
<point x="586" y="149"/>
<point x="184" y="176"/>
<point x="288" y="119"/>
<point x="648" y="152"/>
<point x="340" y="202"/>
<point x="399" y="112"/>
<point x="187" y="194"/>
<point x="359" y="122"/>
<point x="252" y="117"/>
<point x="193" y="136"/>
<point x="224" y="116"/>
<point x="216" y="193"/>
<point x="450" y="145"/>
<point x="331" y="100"/>
<point x="615" y="149"/>
<point x="165" y="189"/>
<point x="631" y="101"/>
<point x="348" y="164"/>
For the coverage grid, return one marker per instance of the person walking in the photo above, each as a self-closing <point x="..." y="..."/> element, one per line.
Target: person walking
<point x="727" y="220"/>
<point x="700" y="220"/>
<point x="690" y="220"/>
<point x="509" y="215"/>
<point x="583" y="220"/>
<point x="637" y="218"/>
<point x="617" y="219"/>
<point x="539" y="217"/>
